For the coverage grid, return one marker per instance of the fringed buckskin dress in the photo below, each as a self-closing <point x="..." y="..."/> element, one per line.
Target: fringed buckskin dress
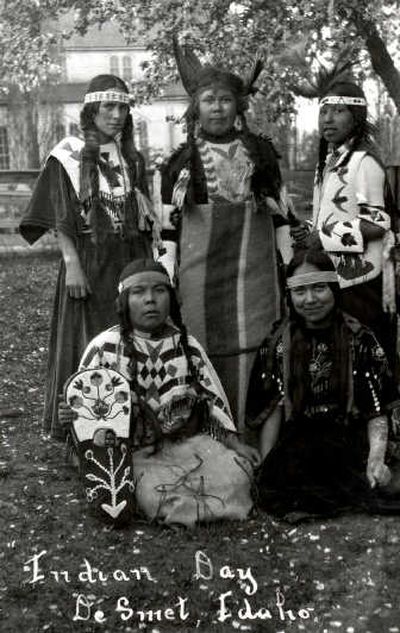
<point x="126" y="227"/>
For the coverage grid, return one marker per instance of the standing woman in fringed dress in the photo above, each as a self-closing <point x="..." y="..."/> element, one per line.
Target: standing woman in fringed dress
<point x="222" y="208"/>
<point x="94" y="193"/>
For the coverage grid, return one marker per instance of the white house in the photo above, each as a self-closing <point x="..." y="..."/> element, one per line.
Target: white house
<point x="104" y="50"/>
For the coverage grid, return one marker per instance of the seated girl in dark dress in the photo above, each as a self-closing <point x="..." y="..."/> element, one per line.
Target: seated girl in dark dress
<point x="322" y="393"/>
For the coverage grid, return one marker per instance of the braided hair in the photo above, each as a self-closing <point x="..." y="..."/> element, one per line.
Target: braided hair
<point x="146" y="420"/>
<point x="266" y="180"/>
<point x="90" y="155"/>
<point x="196" y="78"/>
<point x="209" y="78"/>
<point x="191" y="120"/>
<point x="126" y="328"/>
<point x="176" y="316"/>
<point x="145" y="415"/>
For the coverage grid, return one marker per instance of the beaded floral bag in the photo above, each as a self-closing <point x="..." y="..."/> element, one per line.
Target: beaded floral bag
<point x="102" y="436"/>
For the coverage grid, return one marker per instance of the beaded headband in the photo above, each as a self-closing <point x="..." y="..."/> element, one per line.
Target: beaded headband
<point x="133" y="279"/>
<point x="342" y="100"/>
<point x="306" y="279"/>
<point x="108" y="95"/>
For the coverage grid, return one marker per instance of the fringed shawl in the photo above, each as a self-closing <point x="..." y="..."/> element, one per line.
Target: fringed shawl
<point x="123" y="209"/>
<point x="162" y="371"/>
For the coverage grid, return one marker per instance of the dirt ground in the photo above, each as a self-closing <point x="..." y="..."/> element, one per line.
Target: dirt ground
<point x="62" y="571"/>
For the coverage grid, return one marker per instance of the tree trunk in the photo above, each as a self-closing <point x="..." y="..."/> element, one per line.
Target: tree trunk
<point x="32" y="133"/>
<point x="382" y="62"/>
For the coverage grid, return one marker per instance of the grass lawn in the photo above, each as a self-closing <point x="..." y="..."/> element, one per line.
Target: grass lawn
<point x="62" y="571"/>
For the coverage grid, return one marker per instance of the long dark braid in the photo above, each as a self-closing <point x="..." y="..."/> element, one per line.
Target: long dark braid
<point x="200" y="420"/>
<point x="90" y="154"/>
<point x="132" y="156"/>
<point x="126" y="335"/>
<point x="322" y="154"/>
<point x="266" y="179"/>
<point x="91" y="150"/>
<point x="191" y="118"/>
<point x="176" y="316"/>
<point x="130" y="352"/>
<point x="90" y="157"/>
<point x="89" y="174"/>
<point x="146" y="414"/>
<point x="246" y="133"/>
<point x="136" y="171"/>
<point x="122" y="307"/>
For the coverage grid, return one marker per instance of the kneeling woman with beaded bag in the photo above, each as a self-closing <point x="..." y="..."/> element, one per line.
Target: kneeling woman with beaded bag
<point x="188" y="463"/>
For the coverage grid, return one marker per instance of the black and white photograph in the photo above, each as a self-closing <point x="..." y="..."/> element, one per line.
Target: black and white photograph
<point x="200" y="297"/>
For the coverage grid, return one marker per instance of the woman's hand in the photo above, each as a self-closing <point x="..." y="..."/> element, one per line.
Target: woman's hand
<point x="250" y="453"/>
<point x="299" y="234"/>
<point x="370" y="231"/>
<point x="314" y="240"/>
<point x="66" y="415"/>
<point x="244" y="450"/>
<point x="75" y="280"/>
<point x="395" y="419"/>
<point x="378" y="474"/>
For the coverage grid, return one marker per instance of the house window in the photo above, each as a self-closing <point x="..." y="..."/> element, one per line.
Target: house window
<point x="127" y="68"/>
<point x="4" y="150"/>
<point x="114" y="65"/>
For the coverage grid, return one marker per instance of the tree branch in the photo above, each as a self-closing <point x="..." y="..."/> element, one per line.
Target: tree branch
<point x="381" y="60"/>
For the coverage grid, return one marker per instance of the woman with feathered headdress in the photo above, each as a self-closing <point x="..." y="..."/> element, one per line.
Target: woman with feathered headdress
<point x="222" y="205"/>
<point x="94" y="193"/>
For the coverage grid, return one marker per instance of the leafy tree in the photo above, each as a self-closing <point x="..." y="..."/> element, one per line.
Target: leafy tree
<point x="220" y="31"/>
<point x="228" y="32"/>
<point x="28" y="68"/>
<point x="375" y="23"/>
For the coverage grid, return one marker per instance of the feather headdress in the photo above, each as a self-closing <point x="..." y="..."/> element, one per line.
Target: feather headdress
<point x="251" y="78"/>
<point x="195" y="75"/>
<point x="318" y="84"/>
<point x="189" y="66"/>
